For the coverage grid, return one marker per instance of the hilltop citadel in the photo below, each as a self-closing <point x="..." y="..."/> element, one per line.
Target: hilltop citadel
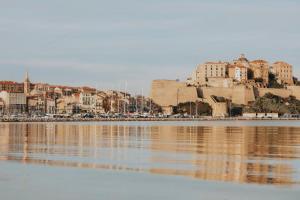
<point x="223" y="84"/>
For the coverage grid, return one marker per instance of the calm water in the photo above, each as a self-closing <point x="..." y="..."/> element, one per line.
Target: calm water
<point x="150" y="160"/>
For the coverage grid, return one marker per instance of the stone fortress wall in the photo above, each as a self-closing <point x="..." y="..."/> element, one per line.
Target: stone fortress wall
<point x="171" y="92"/>
<point x="289" y="91"/>
<point x="238" y="94"/>
<point x="168" y="93"/>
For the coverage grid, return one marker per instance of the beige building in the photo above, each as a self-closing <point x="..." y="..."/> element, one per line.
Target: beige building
<point x="238" y="72"/>
<point x="2" y="107"/>
<point x="36" y="104"/>
<point x="13" y="102"/>
<point x="209" y="70"/>
<point x="283" y="71"/>
<point x="87" y="99"/>
<point x="242" y="61"/>
<point x="260" y="69"/>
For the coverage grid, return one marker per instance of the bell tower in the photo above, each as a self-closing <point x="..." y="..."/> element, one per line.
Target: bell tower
<point x="27" y="84"/>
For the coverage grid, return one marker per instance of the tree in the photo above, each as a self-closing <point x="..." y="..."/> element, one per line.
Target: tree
<point x="273" y="81"/>
<point x="270" y="103"/>
<point x="191" y="108"/>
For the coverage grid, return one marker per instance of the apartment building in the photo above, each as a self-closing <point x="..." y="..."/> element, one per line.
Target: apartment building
<point x="283" y="71"/>
<point x="209" y="70"/>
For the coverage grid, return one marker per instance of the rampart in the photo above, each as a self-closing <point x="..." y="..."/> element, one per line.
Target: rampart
<point x="238" y="94"/>
<point x="289" y="91"/>
<point x="170" y="92"/>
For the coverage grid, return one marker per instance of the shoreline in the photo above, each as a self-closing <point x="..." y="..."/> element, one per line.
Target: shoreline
<point x="143" y="119"/>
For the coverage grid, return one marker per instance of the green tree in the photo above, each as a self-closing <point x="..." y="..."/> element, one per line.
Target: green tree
<point x="273" y="82"/>
<point x="190" y="108"/>
<point x="270" y="103"/>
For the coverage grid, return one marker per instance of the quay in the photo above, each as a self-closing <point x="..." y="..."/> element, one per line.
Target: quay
<point x="139" y="119"/>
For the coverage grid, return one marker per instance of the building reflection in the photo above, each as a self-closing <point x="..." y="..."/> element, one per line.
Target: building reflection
<point x="262" y="155"/>
<point x="240" y="154"/>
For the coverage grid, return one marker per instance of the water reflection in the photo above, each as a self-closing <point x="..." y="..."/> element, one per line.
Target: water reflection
<point x="264" y="155"/>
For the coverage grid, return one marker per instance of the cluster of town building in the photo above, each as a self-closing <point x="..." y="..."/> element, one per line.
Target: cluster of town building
<point x="240" y="82"/>
<point x="241" y="70"/>
<point x="41" y="98"/>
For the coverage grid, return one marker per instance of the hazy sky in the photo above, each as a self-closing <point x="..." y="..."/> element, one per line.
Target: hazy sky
<point x="105" y="43"/>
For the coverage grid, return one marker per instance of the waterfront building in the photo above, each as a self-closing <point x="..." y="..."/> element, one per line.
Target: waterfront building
<point x="40" y="104"/>
<point x="118" y="101"/>
<point x="61" y="106"/>
<point x="13" y="102"/>
<point x="50" y="106"/>
<point x="36" y="104"/>
<point x="283" y="72"/>
<point x="87" y="99"/>
<point x="68" y="104"/>
<point x="2" y="106"/>
<point x="100" y="98"/>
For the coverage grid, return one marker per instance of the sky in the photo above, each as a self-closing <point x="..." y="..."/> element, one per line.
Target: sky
<point x="111" y="44"/>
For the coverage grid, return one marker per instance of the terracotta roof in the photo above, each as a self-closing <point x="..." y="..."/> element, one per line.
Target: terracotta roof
<point x="212" y="62"/>
<point x="259" y="61"/>
<point x="62" y="87"/>
<point x="236" y="65"/>
<point x="282" y="63"/>
<point x="9" y="82"/>
<point x="88" y="89"/>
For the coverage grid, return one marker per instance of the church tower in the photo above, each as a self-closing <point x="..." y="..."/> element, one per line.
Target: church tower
<point x="27" y="84"/>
